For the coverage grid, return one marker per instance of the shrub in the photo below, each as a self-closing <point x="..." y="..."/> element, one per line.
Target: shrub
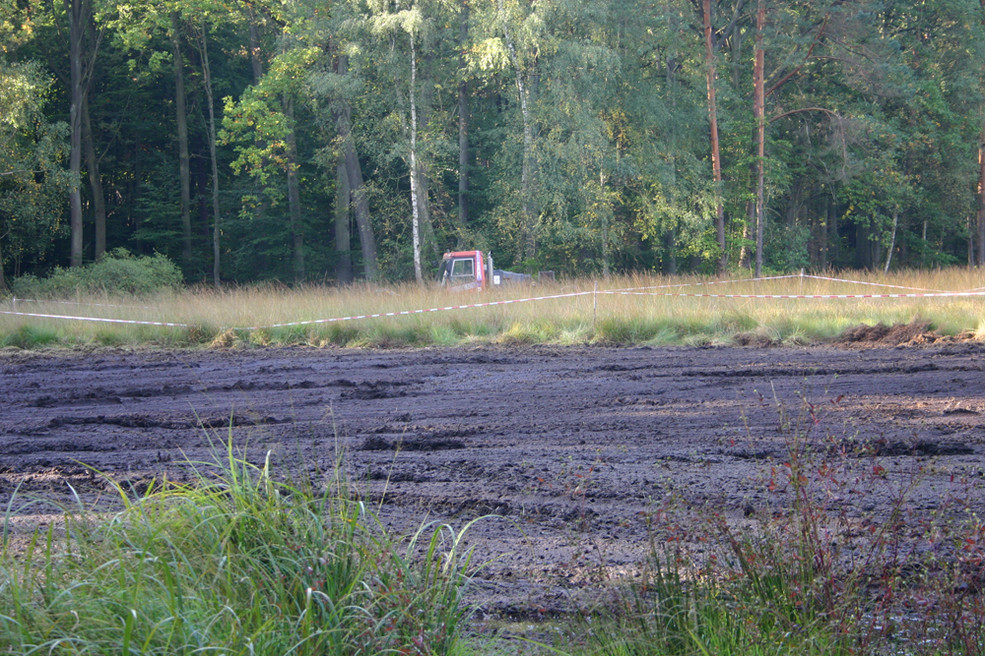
<point x="117" y="272"/>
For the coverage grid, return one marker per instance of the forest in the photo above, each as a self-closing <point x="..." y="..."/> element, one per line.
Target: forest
<point x="326" y="142"/>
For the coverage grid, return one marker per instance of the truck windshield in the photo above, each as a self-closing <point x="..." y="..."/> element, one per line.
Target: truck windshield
<point x="464" y="268"/>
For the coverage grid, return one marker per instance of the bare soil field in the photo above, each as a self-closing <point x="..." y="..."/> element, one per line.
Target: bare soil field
<point x="577" y="453"/>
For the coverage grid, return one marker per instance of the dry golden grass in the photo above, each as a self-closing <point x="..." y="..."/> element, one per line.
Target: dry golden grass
<point x="627" y="309"/>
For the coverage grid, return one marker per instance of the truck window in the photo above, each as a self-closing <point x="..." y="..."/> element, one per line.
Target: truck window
<point x="463" y="268"/>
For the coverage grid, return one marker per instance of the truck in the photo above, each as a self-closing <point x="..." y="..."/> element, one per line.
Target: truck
<point x="464" y="270"/>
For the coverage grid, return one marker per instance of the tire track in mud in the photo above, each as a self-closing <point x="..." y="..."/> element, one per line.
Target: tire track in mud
<point x="576" y="447"/>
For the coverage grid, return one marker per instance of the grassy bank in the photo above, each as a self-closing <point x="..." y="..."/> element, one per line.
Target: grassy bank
<point x="627" y="310"/>
<point x="233" y="562"/>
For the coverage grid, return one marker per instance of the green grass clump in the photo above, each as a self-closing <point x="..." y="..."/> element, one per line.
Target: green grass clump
<point x="233" y="563"/>
<point x="628" y="330"/>
<point x="27" y="336"/>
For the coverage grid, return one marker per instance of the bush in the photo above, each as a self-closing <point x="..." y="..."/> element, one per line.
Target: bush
<point x="117" y="272"/>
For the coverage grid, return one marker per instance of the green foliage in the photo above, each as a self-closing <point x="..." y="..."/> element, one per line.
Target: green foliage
<point x="32" y="180"/>
<point x="29" y="337"/>
<point x="236" y="562"/>
<point x="118" y="272"/>
<point x="874" y="116"/>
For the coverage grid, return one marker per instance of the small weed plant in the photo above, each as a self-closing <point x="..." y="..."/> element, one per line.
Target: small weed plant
<point x="233" y="562"/>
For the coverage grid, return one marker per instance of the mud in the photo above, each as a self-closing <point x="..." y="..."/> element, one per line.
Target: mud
<point x="577" y="452"/>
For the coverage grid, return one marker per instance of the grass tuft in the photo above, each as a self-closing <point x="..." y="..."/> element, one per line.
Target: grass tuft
<point x="238" y="563"/>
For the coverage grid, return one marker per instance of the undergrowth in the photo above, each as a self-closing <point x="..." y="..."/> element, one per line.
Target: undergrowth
<point x="116" y="272"/>
<point x="234" y="562"/>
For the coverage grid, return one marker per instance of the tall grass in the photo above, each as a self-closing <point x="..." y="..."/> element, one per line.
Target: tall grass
<point x="234" y="562"/>
<point x="653" y="314"/>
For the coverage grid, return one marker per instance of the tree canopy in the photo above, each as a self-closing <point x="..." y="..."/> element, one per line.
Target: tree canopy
<point x="300" y="140"/>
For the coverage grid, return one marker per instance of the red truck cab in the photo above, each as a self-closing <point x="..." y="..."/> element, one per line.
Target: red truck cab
<point x="461" y="270"/>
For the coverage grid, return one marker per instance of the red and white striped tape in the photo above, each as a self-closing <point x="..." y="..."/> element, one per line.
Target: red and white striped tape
<point x="16" y="300"/>
<point x="403" y="313"/>
<point x="795" y="296"/>
<point x="96" y="319"/>
<point x="915" y="292"/>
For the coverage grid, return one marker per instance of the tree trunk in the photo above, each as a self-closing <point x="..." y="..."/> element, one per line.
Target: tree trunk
<point x="367" y="242"/>
<point x="981" y="200"/>
<point x="213" y="155"/>
<point x="716" y="165"/>
<point x="892" y="241"/>
<point x="604" y="211"/>
<point x="429" y="241"/>
<point x="834" y="241"/>
<point x="527" y="230"/>
<point x="463" y="132"/>
<point x="3" y="280"/>
<point x="747" y="229"/>
<point x="343" y="240"/>
<point x="760" y="113"/>
<point x="414" y="173"/>
<point x="255" y="62"/>
<point x="357" y="188"/>
<point x="74" y="11"/>
<point x="181" y="120"/>
<point x="294" y="196"/>
<point x="95" y="182"/>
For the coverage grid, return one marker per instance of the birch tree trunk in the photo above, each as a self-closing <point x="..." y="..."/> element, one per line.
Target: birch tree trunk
<point x="892" y="240"/>
<point x="414" y="174"/>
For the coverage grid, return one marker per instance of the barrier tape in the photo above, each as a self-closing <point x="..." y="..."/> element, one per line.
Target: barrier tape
<point x="16" y="300"/>
<point x="875" y="284"/>
<point x="98" y="319"/>
<point x="787" y="277"/>
<point x="632" y="291"/>
<point x="805" y="296"/>
<point x="716" y="282"/>
<point x="410" y="312"/>
<point x="311" y="322"/>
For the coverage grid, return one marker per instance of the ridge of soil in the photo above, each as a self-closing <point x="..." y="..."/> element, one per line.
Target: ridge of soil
<point x="573" y="451"/>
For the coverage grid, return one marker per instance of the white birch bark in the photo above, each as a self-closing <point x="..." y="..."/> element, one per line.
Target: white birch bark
<point x="414" y="182"/>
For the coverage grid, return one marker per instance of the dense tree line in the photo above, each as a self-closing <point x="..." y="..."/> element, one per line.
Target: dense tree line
<point x="304" y="140"/>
